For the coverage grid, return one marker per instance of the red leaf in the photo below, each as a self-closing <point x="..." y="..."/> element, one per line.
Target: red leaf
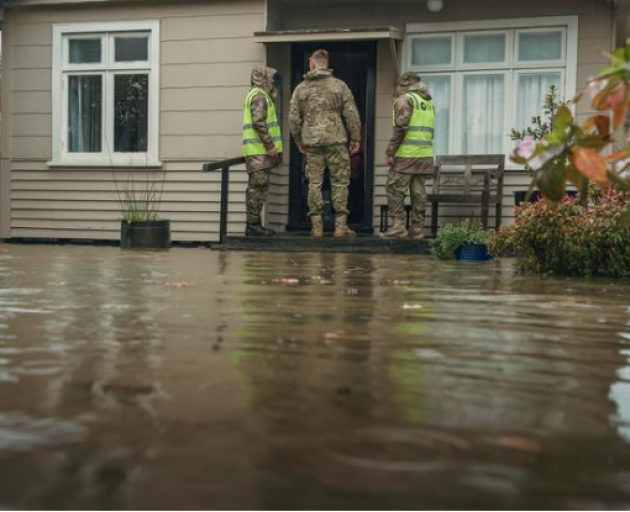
<point x="603" y="125"/>
<point x="591" y="164"/>
<point x="621" y="111"/>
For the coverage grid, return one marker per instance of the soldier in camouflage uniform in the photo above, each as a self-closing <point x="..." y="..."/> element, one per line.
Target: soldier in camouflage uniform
<point x="407" y="174"/>
<point x="260" y="166"/>
<point x="322" y="116"/>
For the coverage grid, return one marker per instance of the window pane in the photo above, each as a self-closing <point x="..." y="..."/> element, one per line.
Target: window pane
<point x="484" y="48"/>
<point x="532" y="89"/>
<point x="85" y="101"/>
<point x="440" y="89"/>
<point x="85" y="51"/>
<point x="536" y="46"/>
<point x="483" y="111"/>
<point x="132" y="49"/>
<point x="431" y="51"/>
<point x="131" y="107"/>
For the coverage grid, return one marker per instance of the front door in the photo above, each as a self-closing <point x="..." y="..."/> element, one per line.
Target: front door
<point x="355" y="64"/>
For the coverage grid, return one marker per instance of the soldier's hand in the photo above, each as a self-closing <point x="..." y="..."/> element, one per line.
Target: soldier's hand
<point x="302" y="149"/>
<point x="273" y="153"/>
<point x="389" y="160"/>
<point x="354" y="148"/>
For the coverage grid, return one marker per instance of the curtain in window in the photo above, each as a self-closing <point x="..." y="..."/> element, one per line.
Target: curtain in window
<point x="483" y="114"/>
<point x="440" y="89"/>
<point x="85" y="95"/>
<point x="532" y="89"/>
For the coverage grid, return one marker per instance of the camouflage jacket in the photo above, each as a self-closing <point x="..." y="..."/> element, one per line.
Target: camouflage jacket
<point x="403" y="108"/>
<point x="323" y="112"/>
<point x="259" y="120"/>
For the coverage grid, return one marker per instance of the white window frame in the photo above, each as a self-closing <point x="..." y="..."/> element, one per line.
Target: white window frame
<point x="441" y="67"/>
<point x="61" y="70"/>
<point x="541" y="63"/>
<point x="513" y="68"/>
<point x="476" y="66"/>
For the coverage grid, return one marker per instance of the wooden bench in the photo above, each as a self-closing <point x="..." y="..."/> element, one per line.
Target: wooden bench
<point x="468" y="180"/>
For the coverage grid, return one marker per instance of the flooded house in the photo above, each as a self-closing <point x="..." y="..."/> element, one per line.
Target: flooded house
<point x="75" y="69"/>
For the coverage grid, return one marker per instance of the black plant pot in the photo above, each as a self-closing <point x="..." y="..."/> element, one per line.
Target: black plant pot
<point x="519" y="197"/>
<point x="145" y="235"/>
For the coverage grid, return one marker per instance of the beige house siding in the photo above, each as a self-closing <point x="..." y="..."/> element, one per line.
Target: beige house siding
<point x="207" y="53"/>
<point x="595" y="19"/>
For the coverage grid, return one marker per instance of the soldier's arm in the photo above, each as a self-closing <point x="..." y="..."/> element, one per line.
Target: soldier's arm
<point x="350" y="114"/>
<point x="402" y="118"/>
<point x="295" y="118"/>
<point x="259" y="120"/>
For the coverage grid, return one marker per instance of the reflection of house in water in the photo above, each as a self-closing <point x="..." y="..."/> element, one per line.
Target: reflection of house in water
<point x="488" y="69"/>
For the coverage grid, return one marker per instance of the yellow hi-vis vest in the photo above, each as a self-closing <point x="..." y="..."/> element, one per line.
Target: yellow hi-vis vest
<point x="252" y="144"/>
<point x="418" y="141"/>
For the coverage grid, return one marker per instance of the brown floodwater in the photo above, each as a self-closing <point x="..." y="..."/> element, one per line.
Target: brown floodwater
<point x="197" y="379"/>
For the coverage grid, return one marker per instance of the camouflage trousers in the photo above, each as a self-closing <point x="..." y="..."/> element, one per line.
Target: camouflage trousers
<point x="337" y="159"/>
<point x="398" y="186"/>
<point x="256" y="194"/>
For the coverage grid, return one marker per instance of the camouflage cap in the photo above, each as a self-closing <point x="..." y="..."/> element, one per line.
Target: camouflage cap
<point x="407" y="79"/>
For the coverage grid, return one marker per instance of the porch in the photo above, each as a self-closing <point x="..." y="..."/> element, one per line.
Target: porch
<point x="302" y="242"/>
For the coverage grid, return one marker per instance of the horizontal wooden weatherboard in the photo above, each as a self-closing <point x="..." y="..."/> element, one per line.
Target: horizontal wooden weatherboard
<point x="76" y="208"/>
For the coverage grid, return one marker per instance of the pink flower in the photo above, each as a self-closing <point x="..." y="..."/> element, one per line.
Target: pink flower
<point x="550" y="151"/>
<point x="526" y="148"/>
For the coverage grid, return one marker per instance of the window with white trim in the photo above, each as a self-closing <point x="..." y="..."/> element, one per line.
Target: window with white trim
<point x="105" y="93"/>
<point x="486" y="80"/>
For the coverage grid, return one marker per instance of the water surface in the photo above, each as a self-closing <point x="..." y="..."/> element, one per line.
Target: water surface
<point x="197" y="379"/>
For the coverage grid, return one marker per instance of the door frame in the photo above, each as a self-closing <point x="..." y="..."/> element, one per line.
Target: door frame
<point x="296" y="176"/>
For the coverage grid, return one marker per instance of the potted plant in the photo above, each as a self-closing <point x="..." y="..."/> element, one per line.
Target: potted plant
<point x="537" y="131"/>
<point x="139" y="201"/>
<point x="464" y="241"/>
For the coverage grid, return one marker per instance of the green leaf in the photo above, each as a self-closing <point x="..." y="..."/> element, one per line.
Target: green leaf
<point x="625" y="218"/>
<point x="619" y="182"/>
<point x="619" y="56"/>
<point x="563" y="119"/>
<point x="596" y="142"/>
<point x="551" y="182"/>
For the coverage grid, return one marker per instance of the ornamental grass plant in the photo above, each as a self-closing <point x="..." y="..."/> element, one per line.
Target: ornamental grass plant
<point x="569" y="239"/>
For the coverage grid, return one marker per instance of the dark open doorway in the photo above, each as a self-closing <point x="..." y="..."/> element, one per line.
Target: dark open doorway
<point x="355" y="64"/>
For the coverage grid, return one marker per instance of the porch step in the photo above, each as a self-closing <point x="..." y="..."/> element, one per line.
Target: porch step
<point x="303" y="243"/>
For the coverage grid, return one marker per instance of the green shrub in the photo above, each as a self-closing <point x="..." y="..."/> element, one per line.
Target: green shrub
<point x="570" y="240"/>
<point x="453" y="236"/>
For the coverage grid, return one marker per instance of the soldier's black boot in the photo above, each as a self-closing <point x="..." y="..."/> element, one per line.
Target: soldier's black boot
<point x="258" y="230"/>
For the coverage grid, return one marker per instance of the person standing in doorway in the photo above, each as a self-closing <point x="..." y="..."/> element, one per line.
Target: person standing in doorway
<point x="410" y="155"/>
<point x="262" y="145"/>
<point x="323" y="117"/>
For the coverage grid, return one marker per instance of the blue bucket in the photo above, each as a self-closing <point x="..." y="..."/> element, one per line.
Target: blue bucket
<point x="473" y="252"/>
